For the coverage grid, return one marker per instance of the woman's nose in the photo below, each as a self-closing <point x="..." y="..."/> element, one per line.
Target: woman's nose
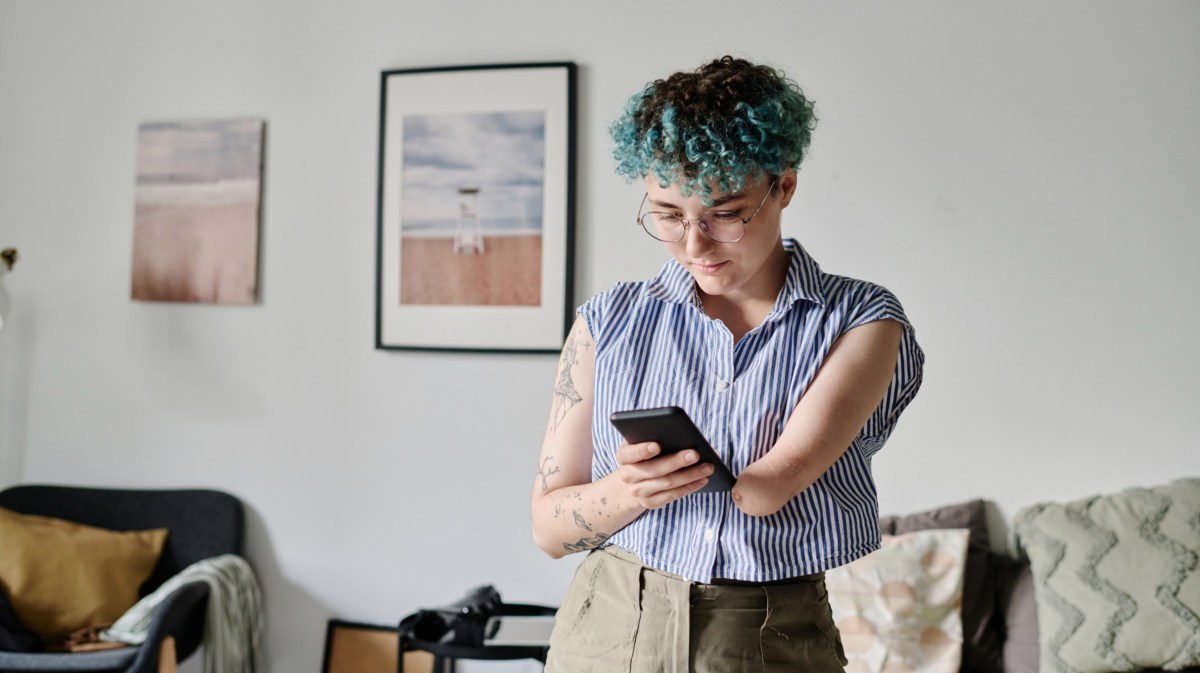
<point x="696" y="241"/>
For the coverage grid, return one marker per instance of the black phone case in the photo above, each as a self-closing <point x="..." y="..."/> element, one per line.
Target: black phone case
<point x="674" y="431"/>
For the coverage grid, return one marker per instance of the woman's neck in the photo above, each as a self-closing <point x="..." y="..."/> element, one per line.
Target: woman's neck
<point x="746" y="308"/>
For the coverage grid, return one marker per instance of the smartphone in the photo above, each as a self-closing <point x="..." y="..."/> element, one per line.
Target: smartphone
<point x="674" y="431"/>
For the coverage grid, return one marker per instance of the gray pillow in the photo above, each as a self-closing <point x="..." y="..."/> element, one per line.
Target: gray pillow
<point x="1115" y="579"/>
<point x="1020" y="615"/>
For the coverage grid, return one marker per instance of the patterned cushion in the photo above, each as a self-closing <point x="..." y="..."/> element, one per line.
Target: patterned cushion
<point x="1116" y="579"/>
<point x="982" y="622"/>
<point x="899" y="609"/>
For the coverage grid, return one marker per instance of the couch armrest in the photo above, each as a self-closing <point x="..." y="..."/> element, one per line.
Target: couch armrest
<point x="181" y="615"/>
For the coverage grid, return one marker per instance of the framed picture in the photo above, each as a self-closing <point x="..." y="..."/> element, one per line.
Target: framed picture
<point x="351" y="647"/>
<point x="197" y="208"/>
<point x="476" y="208"/>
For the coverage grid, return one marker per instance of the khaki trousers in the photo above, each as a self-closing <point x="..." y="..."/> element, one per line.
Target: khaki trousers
<point x="620" y="616"/>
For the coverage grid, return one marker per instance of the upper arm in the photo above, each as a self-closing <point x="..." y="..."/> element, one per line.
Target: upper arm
<point x="566" y="456"/>
<point x="848" y="387"/>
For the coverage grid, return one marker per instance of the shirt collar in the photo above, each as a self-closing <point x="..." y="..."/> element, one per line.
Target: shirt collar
<point x="803" y="281"/>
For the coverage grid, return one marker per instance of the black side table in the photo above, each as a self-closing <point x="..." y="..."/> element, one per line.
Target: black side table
<point x="445" y="655"/>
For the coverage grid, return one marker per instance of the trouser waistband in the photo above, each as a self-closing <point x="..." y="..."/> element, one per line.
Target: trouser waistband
<point x="630" y="557"/>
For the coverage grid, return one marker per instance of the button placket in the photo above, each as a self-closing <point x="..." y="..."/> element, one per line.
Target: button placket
<point x="720" y="380"/>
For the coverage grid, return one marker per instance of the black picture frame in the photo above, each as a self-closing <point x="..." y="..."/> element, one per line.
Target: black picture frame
<point x="476" y="208"/>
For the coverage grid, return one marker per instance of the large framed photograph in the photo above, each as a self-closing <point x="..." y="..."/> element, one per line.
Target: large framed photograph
<point x="476" y="208"/>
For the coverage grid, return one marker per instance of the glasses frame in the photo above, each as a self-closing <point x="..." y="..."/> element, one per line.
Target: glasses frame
<point x="700" y="221"/>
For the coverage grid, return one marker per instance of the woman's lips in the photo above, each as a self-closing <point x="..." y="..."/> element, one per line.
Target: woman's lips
<point x="710" y="268"/>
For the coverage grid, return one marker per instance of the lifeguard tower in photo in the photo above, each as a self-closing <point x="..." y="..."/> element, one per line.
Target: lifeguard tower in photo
<point x="468" y="233"/>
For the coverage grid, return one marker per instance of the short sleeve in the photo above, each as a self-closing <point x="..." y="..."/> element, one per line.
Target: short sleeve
<point x="880" y="304"/>
<point x="591" y="311"/>
<point x="602" y="309"/>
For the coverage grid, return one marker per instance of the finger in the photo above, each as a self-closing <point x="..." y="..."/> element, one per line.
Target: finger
<point x="659" y="466"/>
<point x="672" y="462"/>
<point x="666" y="497"/>
<point x="630" y="454"/>
<point x="648" y="488"/>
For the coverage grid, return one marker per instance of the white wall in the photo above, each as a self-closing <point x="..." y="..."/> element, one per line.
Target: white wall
<point x="1026" y="177"/>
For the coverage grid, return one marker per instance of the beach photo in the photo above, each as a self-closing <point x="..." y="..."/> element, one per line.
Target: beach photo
<point x="476" y="208"/>
<point x="196" y="214"/>
<point x="472" y="190"/>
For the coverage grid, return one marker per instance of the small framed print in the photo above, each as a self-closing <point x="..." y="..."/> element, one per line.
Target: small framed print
<point x="197" y="209"/>
<point x="353" y="647"/>
<point x="476" y="208"/>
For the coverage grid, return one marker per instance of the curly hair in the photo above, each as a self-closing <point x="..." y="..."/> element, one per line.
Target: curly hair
<point x="725" y="122"/>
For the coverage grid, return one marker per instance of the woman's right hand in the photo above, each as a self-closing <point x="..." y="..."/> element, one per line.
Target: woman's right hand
<point x="655" y="480"/>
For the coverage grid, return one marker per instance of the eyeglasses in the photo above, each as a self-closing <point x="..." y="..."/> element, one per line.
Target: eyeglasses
<point x="723" y="226"/>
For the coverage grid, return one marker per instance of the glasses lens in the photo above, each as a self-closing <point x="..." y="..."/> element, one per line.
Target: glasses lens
<point x="663" y="226"/>
<point x="723" y="227"/>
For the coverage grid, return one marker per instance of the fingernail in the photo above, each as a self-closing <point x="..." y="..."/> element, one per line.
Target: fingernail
<point x="691" y="456"/>
<point x="707" y="469"/>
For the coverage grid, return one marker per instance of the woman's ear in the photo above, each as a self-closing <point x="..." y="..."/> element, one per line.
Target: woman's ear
<point x="787" y="187"/>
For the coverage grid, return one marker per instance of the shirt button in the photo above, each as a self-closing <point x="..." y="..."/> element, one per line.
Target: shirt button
<point x="722" y="385"/>
<point x="708" y="536"/>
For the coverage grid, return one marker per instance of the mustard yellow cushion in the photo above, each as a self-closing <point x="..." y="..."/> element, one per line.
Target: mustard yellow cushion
<point x="62" y="576"/>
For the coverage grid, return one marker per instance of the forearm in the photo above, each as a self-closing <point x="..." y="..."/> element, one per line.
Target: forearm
<point x="769" y="483"/>
<point x="582" y="517"/>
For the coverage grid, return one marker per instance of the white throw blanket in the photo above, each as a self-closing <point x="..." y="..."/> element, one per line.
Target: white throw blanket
<point x="233" y="625"/>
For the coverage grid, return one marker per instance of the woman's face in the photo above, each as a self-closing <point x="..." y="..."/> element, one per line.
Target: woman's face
<point x="745" y="269"/>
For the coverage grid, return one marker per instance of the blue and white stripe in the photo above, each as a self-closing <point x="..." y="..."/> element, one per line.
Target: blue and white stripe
<point x="655" y="347"/>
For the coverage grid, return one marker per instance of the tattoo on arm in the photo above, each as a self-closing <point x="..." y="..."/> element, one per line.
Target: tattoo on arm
<point x="579" y="521"/>
<point x="545" y="474"/>
<point x="586" y="543"/>
<point x="565" y="394"/>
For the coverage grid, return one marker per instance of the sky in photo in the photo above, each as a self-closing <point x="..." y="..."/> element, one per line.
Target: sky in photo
<point x="500" y="153"/>
<point x="199" y="151"/>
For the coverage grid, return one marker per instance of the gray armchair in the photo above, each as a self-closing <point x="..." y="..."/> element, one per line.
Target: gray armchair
<point x="201" y="524"/>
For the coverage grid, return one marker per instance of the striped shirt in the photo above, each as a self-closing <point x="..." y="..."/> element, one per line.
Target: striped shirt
<point x="655" y="346"/>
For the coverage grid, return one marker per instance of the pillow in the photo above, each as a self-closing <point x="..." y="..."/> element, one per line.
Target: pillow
<point x="1116" y="579"/>
<point x="1020" y="615"/>
<point x="983" y="636"/>
<point x="15" y="636"/>
<point x="898" y="609"/>
<point x="61" y="576"/>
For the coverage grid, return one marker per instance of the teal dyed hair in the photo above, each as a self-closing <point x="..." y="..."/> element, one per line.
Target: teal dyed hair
<point x="728" y="121"/>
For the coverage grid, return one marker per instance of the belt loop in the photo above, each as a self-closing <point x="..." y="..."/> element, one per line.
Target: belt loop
<point x="681" y="592"/>
<point x="637" y="632"/>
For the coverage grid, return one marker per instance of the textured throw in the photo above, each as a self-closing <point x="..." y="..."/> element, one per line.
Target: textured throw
<point x="233" y="624"/>
<point x="1117" y="579"/>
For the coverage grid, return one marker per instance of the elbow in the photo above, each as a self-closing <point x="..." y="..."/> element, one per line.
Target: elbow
<point x="756" y="504"/>
<point x="542" y="536"/>
<point x="554" y="551"/>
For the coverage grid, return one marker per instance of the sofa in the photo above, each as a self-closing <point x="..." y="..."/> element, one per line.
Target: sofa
<point x="1072" y="594"/>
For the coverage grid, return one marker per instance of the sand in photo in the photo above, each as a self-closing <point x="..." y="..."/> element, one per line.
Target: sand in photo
<point x="197" y="211"/>
<point x="507" y="273"/>
<point x="473" y="190"/>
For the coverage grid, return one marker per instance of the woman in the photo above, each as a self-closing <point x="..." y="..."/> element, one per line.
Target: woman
<point x="796" y="377"/>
